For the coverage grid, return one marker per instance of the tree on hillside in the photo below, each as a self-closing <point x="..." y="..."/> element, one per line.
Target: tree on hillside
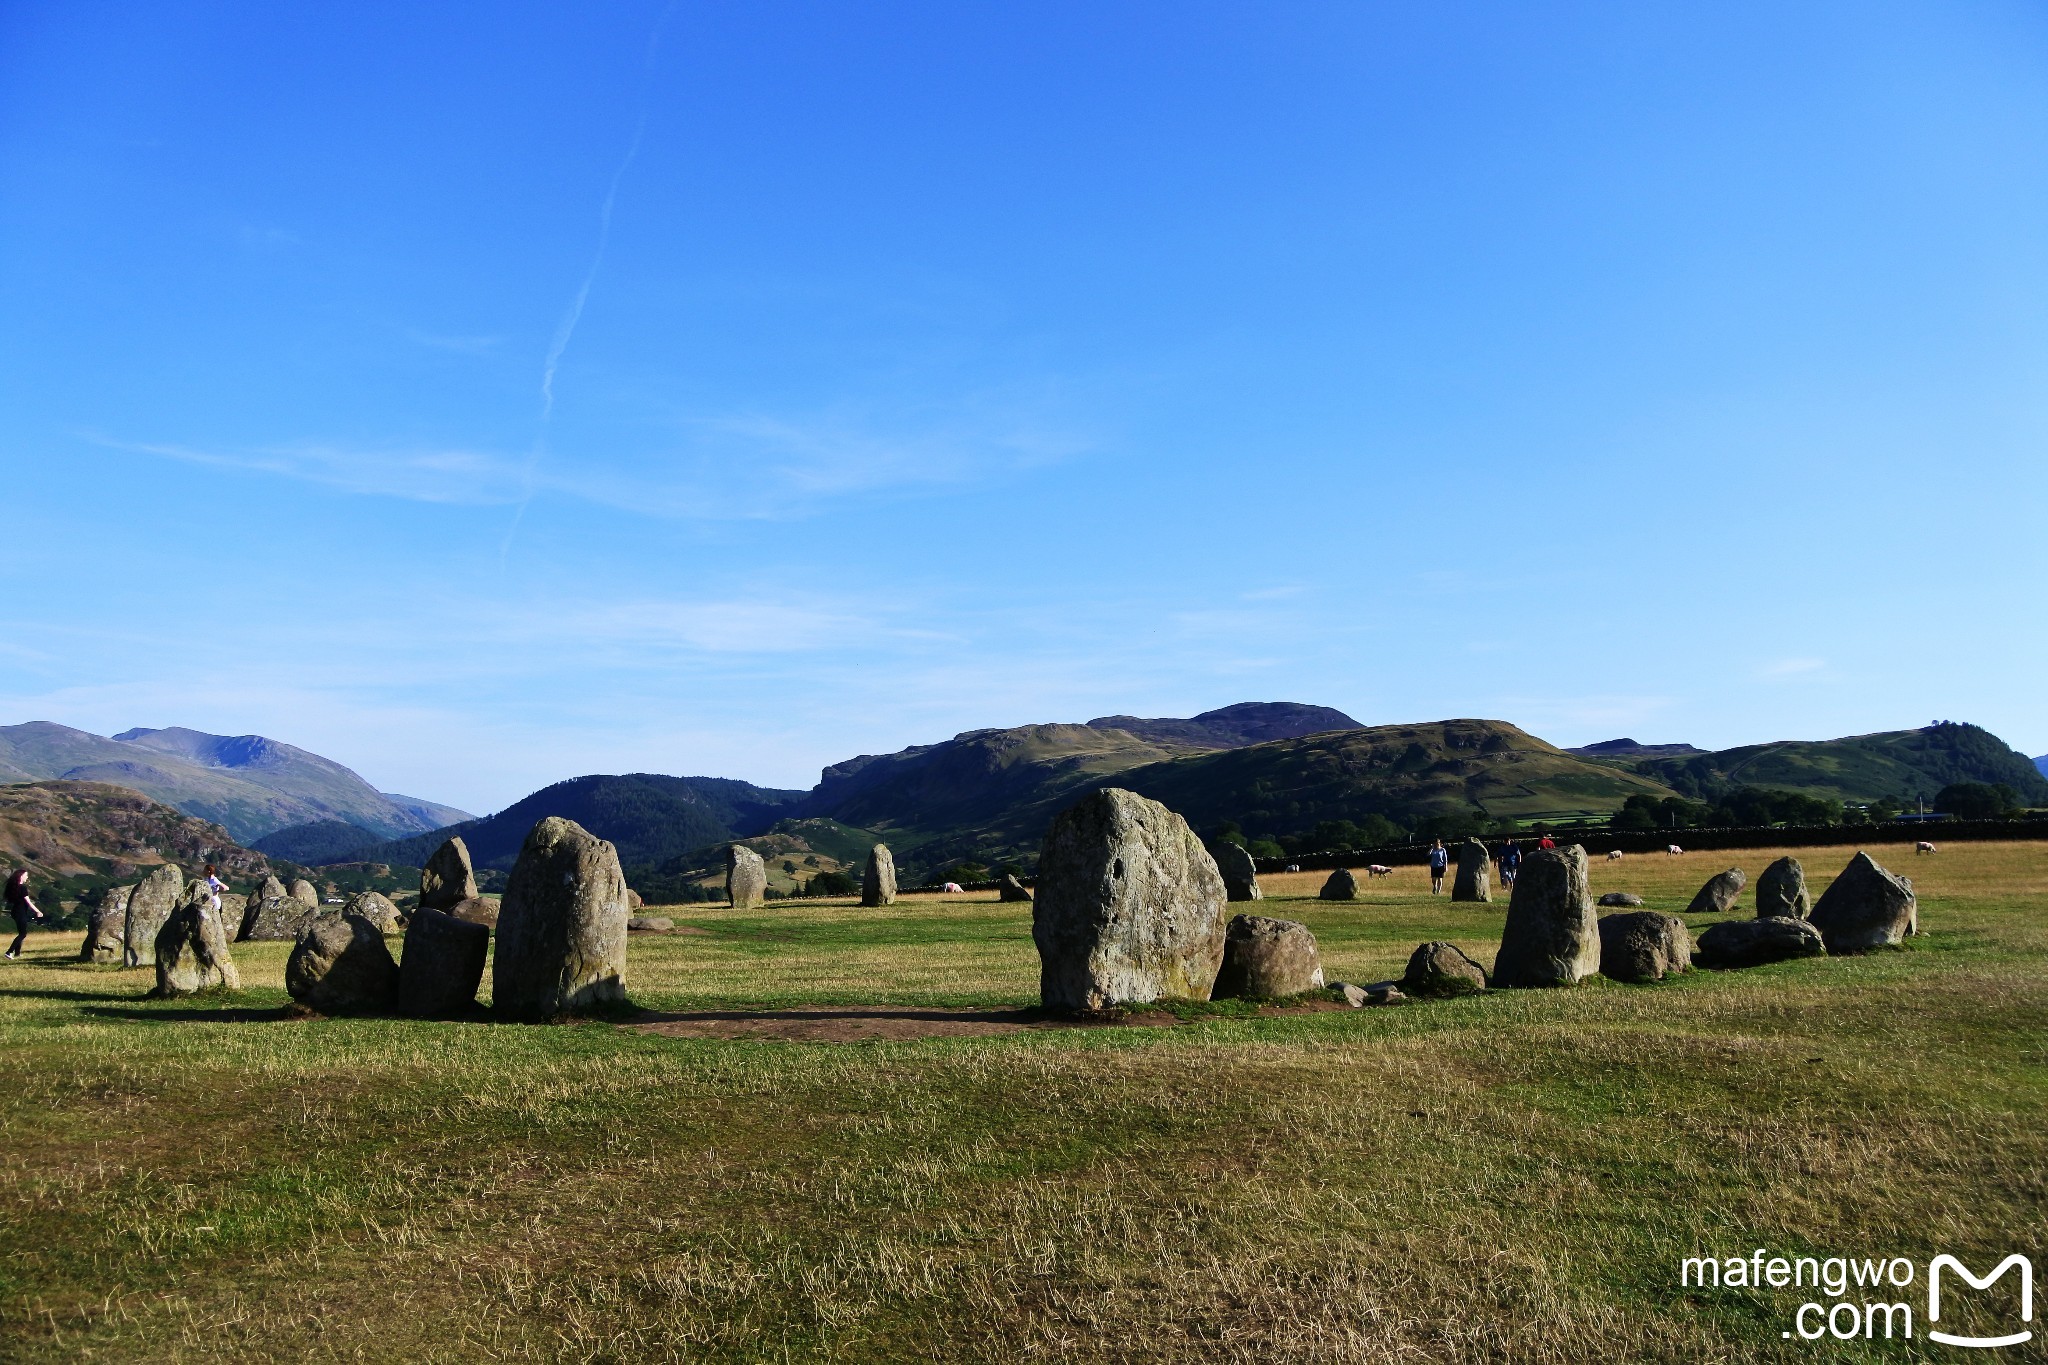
<point x="1978" y="801"/>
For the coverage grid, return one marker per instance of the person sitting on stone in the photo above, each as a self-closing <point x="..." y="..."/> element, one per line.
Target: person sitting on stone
<point x="22" y="908"/>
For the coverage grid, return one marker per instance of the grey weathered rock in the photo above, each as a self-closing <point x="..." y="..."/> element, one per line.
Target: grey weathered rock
<point x="1442" y="969"/>
<point x="878" y="878"/>
<point x="1864" y="908"/>
<point x="1552" y="937"/>
<point x="746" y="876"/>
<point x="633" y="900"/>
<point x="1129" y="905"/>
<point x="1622" y="898"/>
<point x="449" y="878"/>
<point x="1385" y="993"/>
<point x="341" y="966"/>
<point x="1781" y="891"/>
<point x="1341" y="886"/>
<point x="1008" y="888"/>
<point x="649" y="924"/>
<point x="234" y="908"/>
<point x="191" y="948"/>
<point x="1350" y="994"/>
<point x="1263" y="956"/>
<point x="561" y="925"/>
<point x="1720" y="893"/>
<point x="443" y="965"/>
<point x="105" y="930"/>
<point x="476" y="910"/>
<point x="252" y="906"/>
<point x="276" y="916"/>
<point x="1474" y="881"/>
<point x="1753" y="942"/>
<point x="375" y="908"/>
<point x="305" y="893"/>
<point x="149" y="907"/>
<point x="1240" y="873"/>
<point x="1643" y="945"/>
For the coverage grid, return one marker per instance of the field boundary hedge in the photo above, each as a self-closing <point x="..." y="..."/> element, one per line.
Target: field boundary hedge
<point x="1701" y="840"/>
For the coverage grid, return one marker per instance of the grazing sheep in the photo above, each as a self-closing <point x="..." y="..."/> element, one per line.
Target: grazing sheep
<point x="952" y="888"/>
<point x="1672" y="850"/>
<point x="1922" y="847"/>
<point x="1613" y="855"/>
<point x="1378" y="870"/>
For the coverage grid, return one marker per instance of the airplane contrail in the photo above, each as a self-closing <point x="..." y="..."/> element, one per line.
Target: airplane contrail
<point x="573" y="315"/>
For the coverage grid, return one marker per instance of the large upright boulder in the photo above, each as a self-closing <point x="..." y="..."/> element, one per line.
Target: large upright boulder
<point x="1720" y="893"/>
<point x="274" y="913"/>
<point x="1008" y="888"/>
<point x="191" y="948"/>
<point x="1240" y="873"/>
<point x="149" y="907"/>
<point x="878" y="878"/>
<point x="561" y="925"/>
<point x="341" y="966"/>
<point x="448" y="879"/>
<point x="1643" y="945"/>
<point x="1866" y="907"/>
<point x="1442" y="969"/>
<point x="305" y="893"/>
<point x="443" y="965"/>
<point x="1781" y="891"/>
<point x="1739" y="943"/>
<point x="1129" y="906"/>
<point x="1474" y="881"/>
<point x="1341" y="885"/>
<point x="1552" y="937"/>
<point x="746" y="877"/>
<point x="107" y="927"/>
<point x="376" y="908"/>
<point x="1263" y="956"/>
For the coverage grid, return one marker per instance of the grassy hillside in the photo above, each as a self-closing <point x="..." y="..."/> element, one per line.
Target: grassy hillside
<point x="1507" y="1178"/>
<point x="1897" y="763"/>
<point x="74" y="835"/>
<point x="249" y="785"/>
<point x="652" y="818"/>
<point x="1233" y="727"/>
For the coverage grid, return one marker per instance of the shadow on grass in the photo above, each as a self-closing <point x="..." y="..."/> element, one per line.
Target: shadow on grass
<point x="187" y="1014"/>
<point x="66" y="995"/>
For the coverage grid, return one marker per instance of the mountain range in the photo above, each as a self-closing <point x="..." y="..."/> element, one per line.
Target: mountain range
<point x="1275" y="770"/>
<point x="249" y="785"/>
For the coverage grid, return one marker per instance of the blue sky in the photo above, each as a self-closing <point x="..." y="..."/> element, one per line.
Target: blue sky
<point x="483" y="395"/>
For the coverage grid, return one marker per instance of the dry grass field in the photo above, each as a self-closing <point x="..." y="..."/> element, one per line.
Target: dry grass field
<point x="1510" y="1177"/>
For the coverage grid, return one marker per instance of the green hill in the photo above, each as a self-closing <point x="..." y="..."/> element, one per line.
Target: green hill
<point x="653" y="819"/>
<point x="323" y="841"/>
<point x="71" y="835"/>
<point x="1896" y="763"/>
<point x="990" y="794"/>
<point x="249" y="785"/>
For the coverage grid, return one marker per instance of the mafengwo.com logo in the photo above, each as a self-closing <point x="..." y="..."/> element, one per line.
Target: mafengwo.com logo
<point x="1866" y="1299"/>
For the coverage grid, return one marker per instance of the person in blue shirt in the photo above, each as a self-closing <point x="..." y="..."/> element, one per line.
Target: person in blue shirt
<point x="1439" y="863"/>
<point x="1510" y="862"/>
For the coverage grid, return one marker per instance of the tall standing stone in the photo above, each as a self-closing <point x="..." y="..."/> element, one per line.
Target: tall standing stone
<point x="1240" y="873"/>
<point x="1864" y="908"/>
<point x="1720" y="893"/>
<point x="191" y="947"/>
<point x="1008" y="888"/>
<point x="305" y="893"/>
<point x="448" y="879"/>
<point x="1129" y="906"/>
<point x="1341" y="885"/>
<point x="149" y="905"/>
<point x="443" y="965"/>
<point x="252" y="909"/>
<point x="1552" y="937"/>
<point x="341" y="966"/>
<point x="561" y="925"/>
<point x="878" y="881"/>
<point x="1781" y="891"/>
<point x="746" y="877"/>
<point x="1474" y="881"/>
<point x="107" y="927"/>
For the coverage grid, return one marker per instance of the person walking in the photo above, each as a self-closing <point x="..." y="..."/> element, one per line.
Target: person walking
<point x="22" y="908"/>
<point x="1439" y="863"/>
<point x="1510" y="862"/>
<point x="215" y="885"/>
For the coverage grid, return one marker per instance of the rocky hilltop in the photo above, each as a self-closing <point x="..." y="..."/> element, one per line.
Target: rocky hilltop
<point x="92" y="832"/>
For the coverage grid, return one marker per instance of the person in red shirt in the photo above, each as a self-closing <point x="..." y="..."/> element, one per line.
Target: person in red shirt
<point x="1546" y="842"/>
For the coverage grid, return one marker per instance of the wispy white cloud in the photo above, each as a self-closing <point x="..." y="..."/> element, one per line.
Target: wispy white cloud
<point x="1791" y="668"/>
